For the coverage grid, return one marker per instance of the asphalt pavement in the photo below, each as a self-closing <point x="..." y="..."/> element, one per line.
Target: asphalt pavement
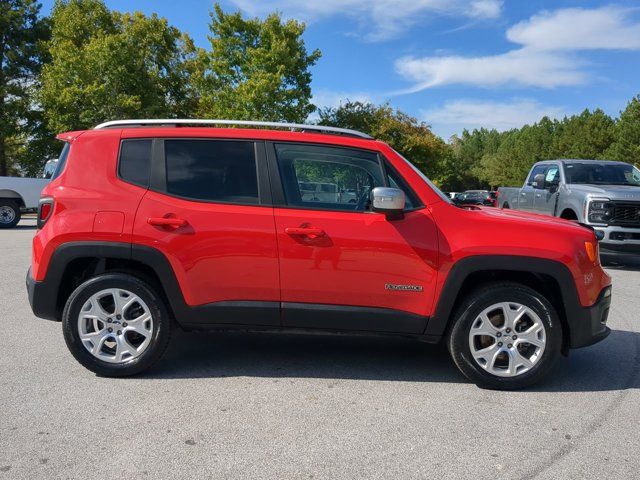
<point x="267" y="406"/>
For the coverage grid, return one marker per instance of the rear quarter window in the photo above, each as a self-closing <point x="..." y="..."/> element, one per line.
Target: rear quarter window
<point x="62" y="161"/>
<point x="135" y="161"/>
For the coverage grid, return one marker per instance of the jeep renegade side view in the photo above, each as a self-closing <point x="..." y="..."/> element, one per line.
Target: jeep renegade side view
<point x="151" y="223"/>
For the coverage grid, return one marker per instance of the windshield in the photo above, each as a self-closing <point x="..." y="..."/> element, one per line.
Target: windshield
<point x="426" y="179"/>
<point x="602" y="174"/>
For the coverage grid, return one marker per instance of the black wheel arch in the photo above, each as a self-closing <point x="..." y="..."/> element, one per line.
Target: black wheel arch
<point x="73" y="262"/>
<point x="569" y="214"/>
<point x="551" y="278"/>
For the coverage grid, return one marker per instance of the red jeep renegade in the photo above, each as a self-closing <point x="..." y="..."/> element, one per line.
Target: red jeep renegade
<point x="152" y="223"/>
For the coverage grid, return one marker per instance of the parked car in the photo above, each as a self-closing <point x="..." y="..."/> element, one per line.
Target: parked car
<point x="206" y="228"/>
<point x="494" y="198"/>
<point x="20" y="194"/>
<point x="474" y="197"/>
<point x="319" y="192"/>
<point x="600" y="193"/>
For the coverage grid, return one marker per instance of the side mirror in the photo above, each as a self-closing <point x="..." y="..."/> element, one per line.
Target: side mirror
<point x="538" y="181"/>
<point x="387" y="200"/>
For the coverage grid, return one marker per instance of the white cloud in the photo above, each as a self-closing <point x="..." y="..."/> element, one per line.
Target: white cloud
<point x="382" y="19"/>
<point x="329" y="98"/>
<point x="547" y="55"/>
<point x="323" y="98"/>
<point x="544" y="58"/>
<point x="522" y="67"/>
<point x="486" y="9"/>
<point x="455" y="115"/>
<point x="579" y="29"/>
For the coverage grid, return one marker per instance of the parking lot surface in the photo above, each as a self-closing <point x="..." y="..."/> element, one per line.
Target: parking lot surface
<point x="289" y="406"/>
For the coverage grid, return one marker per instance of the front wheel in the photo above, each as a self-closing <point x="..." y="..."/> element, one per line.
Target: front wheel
<point x="506" y="336"/>
<point x="116" y="325"/>
<point x="9" y="213"/>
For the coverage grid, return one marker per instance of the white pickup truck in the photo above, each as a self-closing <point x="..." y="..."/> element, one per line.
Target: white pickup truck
<point x="600" y="193"/>
<point x="19" y="194"/>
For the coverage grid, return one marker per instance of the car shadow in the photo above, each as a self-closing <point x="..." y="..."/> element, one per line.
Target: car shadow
<point x="22" y="226"/>
<point x="619" y="262"/>
<point x="613" y="364"/>
<point x="26" y="223"/>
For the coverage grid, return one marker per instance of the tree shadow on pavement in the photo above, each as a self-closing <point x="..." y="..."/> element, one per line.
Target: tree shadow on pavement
<point x="613" y="364"/>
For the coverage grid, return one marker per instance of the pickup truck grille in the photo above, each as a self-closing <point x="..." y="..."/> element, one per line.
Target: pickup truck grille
<point x="626" y="214"/>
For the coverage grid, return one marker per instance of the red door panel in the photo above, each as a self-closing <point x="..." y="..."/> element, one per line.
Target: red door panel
<point x="218" y="252"/>
<point x="347" y="258"/>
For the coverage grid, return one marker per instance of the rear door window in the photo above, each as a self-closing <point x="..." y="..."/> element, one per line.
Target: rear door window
<point x="212" y="170"/>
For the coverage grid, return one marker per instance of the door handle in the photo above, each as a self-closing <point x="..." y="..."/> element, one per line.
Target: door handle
<point x="308" y="231"/>
<point x="538" y="195"/>
<point x="166" y="222"/>
<point x="524" y="194"/>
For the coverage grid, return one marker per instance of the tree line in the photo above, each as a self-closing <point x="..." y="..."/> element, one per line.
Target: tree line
<point x="85" y="64"/>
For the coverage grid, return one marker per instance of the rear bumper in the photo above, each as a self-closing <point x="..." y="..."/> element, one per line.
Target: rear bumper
<point x="41" y="298"/>
<point x="588" y="325"/>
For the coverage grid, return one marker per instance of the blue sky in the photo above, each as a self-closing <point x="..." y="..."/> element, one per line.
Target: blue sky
<point x="454" y="63"/>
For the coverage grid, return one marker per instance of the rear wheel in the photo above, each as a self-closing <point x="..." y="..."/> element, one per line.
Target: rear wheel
<point x="9" y="213"/>
<point x="505" y="336"/>
<point x="116" y="325"/>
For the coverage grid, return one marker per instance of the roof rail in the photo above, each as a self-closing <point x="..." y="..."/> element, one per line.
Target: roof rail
<point x="173" y="122"/>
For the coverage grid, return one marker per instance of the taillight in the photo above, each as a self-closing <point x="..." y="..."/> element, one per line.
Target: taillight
<point x="45" y="208"/>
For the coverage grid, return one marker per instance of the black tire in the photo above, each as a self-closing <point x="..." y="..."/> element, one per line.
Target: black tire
<point x="9" y="208"/>
<point x="484" y="297"/>
<point x="160" y="335"/>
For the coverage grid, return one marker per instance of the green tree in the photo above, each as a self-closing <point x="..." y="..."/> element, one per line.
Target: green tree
<point x="586" y="135"/>
<point x="255" y="70"/>
<point x="626" y="146"/>
<point x="463" y="168"/>
<point x="21" y="54"/>
<point x="411" y="138"/>
<point x="107" y="65"/>
<point x="518" y="151"/>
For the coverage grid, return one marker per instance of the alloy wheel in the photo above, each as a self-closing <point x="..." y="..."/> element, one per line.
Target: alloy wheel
<point x="507" y="339"/>
<point x="115" y="325"/>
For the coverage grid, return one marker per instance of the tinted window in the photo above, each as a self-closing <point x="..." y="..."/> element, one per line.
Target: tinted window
<point x="536" y="171"/>
<point x="553" y="175"/>
<point x="328" y="177"/>
<point x="602" y="174"/>
<point x="135" y="161"/>
<point x="212" y="170"/>
<point x="395" y="181"/>
<point x="62" y="161"/>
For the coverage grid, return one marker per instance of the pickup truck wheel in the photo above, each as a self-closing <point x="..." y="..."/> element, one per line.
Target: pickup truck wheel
<point x="506" y="336"/>
<point x="9" y="213"/>
<point x="116" y="325"/>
